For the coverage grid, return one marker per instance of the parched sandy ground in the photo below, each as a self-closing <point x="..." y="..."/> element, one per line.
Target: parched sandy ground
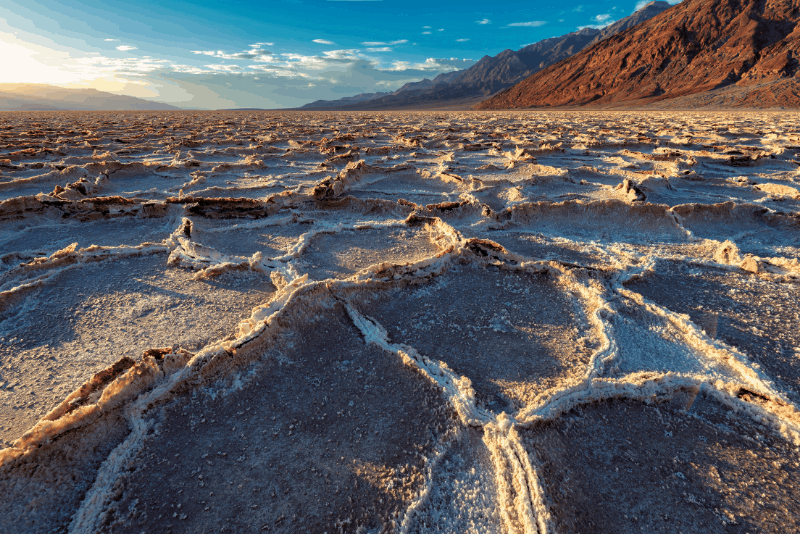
<point x="399" y="322"/>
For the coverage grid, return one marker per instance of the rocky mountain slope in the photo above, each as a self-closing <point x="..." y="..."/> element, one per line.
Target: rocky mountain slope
<point x="645" y="13"/>
<point x="492" y="73"/>
<point x="40" y="97"/>
<point x="698" y="53"/>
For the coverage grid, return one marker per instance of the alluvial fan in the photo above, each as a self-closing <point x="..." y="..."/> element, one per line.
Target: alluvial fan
<point x="461" y="322"/>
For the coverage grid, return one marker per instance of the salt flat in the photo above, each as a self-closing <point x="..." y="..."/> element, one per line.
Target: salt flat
<point x="399" y="322"/>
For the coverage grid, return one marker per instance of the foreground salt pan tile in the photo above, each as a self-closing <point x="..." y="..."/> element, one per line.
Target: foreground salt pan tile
<point x="321" y="430"/>
<point x="628" y="466"/>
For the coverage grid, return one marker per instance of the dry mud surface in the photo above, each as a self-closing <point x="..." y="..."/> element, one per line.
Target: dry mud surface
<point x="399" y="322"/>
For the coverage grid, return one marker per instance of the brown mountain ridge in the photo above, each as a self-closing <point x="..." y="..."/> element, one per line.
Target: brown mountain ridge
<point x="491" y="74"/>
<point x="732" y="53"/>
<point x="41" y="97"/>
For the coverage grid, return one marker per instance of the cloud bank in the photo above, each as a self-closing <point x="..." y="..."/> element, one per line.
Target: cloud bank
<point x="257" y="77"/>
<point x="530" y="24"/>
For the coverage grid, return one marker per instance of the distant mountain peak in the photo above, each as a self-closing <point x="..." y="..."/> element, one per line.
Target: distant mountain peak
<point x="743" y="51"/>
<point x="42" y="97"/>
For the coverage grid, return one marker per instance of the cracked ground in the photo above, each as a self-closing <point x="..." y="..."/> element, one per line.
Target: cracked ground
<point x="399" y="322"/>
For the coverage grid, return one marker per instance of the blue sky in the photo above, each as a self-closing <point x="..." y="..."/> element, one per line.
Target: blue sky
<point x="210" y="54"/>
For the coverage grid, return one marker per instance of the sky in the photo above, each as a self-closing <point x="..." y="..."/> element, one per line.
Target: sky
<point x="271" y="54"/>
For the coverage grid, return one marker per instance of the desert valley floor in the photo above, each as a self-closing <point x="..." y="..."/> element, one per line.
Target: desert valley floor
<point x="399" y="322"/>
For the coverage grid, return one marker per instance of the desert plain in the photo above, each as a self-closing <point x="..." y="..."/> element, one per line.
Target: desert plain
<point x="399" y="322"/>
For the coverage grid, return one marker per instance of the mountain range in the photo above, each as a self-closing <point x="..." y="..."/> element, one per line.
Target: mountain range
<point x="39" y="97"/>
<point x="492" y="73"/>
<point x="723" y="53"/>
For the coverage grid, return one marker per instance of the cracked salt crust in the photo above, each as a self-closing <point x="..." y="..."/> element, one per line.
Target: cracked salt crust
<point x="462" y="322"/>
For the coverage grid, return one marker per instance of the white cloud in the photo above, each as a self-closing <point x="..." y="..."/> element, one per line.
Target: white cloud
<point x="101" y="66"/>
<point x="427" y="27"/>
<point x="348" y="54"/>
<point x="380" y="49"/>
<point x="601" y="20"/>
<point x="440" y="30"/>
<point x="279" y="72"/>
<point x="109" y="40"/>
<point x="323" y="41"/>
<point x="126" y="48"/>
<point x="254" y="54"/>
<point x="433" y="64"/>
<point x="225" y="68"/>
<point x="259" y="45"/>
<point x="484" y="21"/>
<point x="530" y="24"/>
<point x="462" y="40"/>
<point x="389" y="43"/>
<point x="426" y="33"/>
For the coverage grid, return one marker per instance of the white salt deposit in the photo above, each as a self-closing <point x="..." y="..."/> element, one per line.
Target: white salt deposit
<point x="439" y="322"/>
